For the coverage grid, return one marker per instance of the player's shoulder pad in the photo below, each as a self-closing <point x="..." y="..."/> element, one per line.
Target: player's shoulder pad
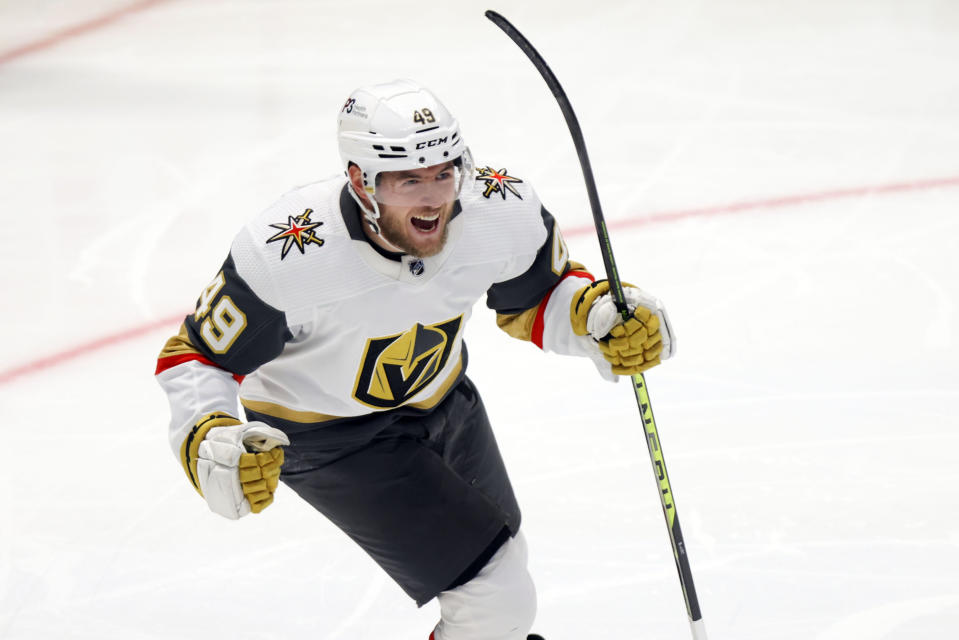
<point x="505" y="204"/>
<point x="292" y="243"/>
<point x="498" y="188"/>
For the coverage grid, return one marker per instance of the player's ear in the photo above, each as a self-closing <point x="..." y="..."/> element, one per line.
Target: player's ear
<point x="356" y="180"/>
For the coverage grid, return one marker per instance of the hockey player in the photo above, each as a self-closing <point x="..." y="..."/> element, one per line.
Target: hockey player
<point x="337" y="322"/>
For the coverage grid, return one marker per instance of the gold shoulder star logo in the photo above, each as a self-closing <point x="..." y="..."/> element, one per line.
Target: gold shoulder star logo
<point x="497" y="182"/>
<point x="297" y="231"/>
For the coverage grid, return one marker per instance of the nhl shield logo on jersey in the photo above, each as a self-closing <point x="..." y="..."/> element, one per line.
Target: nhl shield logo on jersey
<point x="396" y="368"/>
<point x="297" y="231"/>
<point x="497" y="181"/>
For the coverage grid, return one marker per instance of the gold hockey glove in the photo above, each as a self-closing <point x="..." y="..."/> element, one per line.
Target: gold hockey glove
<point x="260" y="476"/>
<point x="642" y="342"/>
<point x="235" y="466"/>
<point x="635" y="346"/>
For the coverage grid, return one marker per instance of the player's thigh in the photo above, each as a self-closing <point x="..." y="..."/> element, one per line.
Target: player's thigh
<point x="407" y="508"/>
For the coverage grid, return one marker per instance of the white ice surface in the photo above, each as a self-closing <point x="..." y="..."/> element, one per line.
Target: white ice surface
<point x="808" y="421"/>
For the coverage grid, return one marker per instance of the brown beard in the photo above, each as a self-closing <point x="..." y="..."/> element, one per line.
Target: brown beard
<point x="396" y="232"/>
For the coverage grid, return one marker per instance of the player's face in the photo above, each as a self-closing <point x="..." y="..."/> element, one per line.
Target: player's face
<point x="415" y="207"/>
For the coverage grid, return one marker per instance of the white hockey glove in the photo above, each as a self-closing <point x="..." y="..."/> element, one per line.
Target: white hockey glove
<point x="238" y="466"/>
<point x="640" y="343"/>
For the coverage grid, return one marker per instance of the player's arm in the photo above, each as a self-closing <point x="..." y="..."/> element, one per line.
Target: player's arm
<point x="559" y="306"/>
<point x="234" y="465"/>
<point x="522" y="301"/>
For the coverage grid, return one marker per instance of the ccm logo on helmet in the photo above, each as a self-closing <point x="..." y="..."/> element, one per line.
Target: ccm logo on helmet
<point x="431" y="143"/>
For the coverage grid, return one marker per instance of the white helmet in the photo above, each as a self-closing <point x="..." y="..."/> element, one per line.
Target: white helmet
<point x="398" y="126"/>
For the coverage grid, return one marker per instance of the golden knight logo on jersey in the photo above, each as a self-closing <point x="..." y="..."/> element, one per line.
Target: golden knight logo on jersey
<point x="396" y="368"/>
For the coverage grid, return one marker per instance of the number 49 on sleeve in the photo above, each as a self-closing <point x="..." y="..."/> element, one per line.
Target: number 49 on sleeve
<point x="221" y="327"/>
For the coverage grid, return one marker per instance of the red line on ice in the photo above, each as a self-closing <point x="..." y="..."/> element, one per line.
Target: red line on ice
<point x="771" y="203"/>
<point x="79" y="29"/>
<point x="172" y="322"/>
<point x="48" y="362"/>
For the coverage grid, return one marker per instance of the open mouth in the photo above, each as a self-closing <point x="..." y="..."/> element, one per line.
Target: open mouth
<point x="426" y="223"/>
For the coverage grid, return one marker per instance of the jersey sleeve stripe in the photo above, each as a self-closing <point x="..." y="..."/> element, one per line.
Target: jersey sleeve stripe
<point x="180" y="349"/>
<point x="168" y="362"/>
<point x="539" y="323"/>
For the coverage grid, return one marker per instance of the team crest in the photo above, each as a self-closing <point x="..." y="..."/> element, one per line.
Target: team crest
<point x="296" y="232"/>
<point x="396" y="368"/>
<point x="497" y="182"/>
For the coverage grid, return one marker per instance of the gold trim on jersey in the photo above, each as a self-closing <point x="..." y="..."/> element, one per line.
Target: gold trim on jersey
<point x="284" y="413"/>
<point x="560" y="255"/>
<point x="310" y="417"/>
<point x="179" y="345"/>
<point x="518" y="325"/>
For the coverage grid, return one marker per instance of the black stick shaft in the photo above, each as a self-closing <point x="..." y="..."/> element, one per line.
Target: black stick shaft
<point x="616" y="289"/>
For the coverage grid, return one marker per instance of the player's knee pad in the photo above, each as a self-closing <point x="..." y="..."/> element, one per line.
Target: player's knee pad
<point x="498" y="604"/>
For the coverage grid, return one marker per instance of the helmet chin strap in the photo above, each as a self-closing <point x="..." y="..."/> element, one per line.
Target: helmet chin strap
<point x="372" y="216"/>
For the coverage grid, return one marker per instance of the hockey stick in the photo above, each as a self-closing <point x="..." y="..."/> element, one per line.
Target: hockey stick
<point x="616" y="289"/>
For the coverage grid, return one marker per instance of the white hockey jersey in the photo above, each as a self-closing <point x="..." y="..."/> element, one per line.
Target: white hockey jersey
<point x="307" y="323"/>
